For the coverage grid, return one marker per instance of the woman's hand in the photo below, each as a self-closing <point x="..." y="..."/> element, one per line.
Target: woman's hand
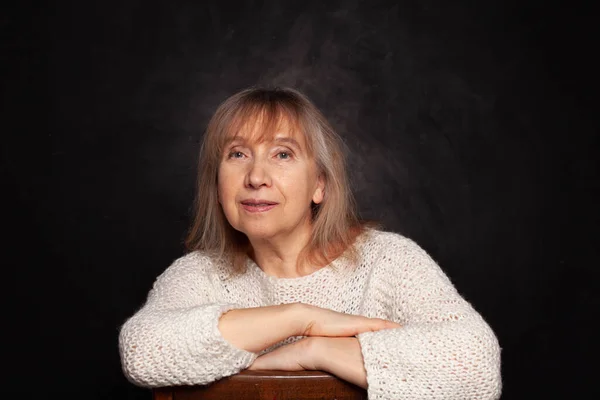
<point x="324" y="322"/>
<point x="297" y="356"/>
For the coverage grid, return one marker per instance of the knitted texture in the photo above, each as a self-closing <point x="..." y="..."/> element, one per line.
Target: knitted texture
<point x="444" y="349"/>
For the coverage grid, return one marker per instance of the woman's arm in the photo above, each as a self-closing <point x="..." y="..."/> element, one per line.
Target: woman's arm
<point x="256" y="329"/>
<point x="174" y="339"/>
<point x="444" y="349"/>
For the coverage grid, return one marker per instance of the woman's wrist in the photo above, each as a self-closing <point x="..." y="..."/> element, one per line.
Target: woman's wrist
<point x="257" y="328"/>
<point x="316" y="352"/>
<point x="300" y="316"/>
<point x="339" y="356"/>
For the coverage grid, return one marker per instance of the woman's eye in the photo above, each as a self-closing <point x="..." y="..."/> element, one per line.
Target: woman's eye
<point x="236" y="154"/>
<point x="284" y="155"/>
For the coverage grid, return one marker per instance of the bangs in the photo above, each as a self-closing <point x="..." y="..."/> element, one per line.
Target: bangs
<point x="261" y="121"/>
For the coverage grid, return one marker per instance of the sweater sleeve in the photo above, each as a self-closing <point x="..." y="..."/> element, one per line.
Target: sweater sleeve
<point x="174" y="338"/>
<point x="444" y="349"/>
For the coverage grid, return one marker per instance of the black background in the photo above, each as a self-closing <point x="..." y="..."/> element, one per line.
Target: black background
<point x="470" y="126"/>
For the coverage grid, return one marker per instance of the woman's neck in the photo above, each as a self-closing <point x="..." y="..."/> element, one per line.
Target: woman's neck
<point x="279" y="256"/>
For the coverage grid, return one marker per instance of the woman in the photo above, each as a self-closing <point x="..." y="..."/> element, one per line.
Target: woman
<point x="282" y="275"/>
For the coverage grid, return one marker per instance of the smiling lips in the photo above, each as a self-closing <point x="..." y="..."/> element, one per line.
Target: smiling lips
<point x="257" y="205"/>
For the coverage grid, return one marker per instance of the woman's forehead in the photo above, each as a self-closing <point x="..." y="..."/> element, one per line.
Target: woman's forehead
<point x="260" y="129"/>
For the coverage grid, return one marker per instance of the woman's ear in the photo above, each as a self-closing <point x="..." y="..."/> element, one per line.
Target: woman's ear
<point x="319" y="193"/>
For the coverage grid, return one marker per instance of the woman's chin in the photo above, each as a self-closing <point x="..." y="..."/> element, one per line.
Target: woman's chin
<point x="260" y="233"/>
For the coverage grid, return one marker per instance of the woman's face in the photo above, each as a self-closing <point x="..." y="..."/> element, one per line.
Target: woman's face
<point x="266" y="187"/>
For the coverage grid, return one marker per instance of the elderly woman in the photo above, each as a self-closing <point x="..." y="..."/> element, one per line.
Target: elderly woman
<point x="282" y="275"/>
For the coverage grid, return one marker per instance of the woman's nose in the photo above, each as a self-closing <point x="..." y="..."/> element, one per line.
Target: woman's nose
<point x="257" y="176"/>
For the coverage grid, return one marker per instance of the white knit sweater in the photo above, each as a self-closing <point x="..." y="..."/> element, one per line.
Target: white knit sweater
<point x="444" y="349"/>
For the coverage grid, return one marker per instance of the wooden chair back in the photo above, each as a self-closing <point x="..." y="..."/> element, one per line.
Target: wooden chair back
<point x="268" y="385"/>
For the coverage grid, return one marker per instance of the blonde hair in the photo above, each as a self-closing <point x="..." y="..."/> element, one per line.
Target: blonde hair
<point x="335" y="221"/>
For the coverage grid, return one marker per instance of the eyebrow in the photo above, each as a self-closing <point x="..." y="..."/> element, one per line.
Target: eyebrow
<point x="288" y="140"/>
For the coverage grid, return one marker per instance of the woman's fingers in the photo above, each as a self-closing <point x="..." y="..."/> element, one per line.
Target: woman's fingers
<point x="392" y="324"/>
<point x="377" y="324"/>
<point x="386" y="324"/>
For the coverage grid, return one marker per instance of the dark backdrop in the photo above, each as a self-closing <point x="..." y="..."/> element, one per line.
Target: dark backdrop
<point x="470" y="128"/>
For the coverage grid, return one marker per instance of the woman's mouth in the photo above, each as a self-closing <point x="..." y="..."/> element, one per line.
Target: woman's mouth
<point x="258" y="205"/>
